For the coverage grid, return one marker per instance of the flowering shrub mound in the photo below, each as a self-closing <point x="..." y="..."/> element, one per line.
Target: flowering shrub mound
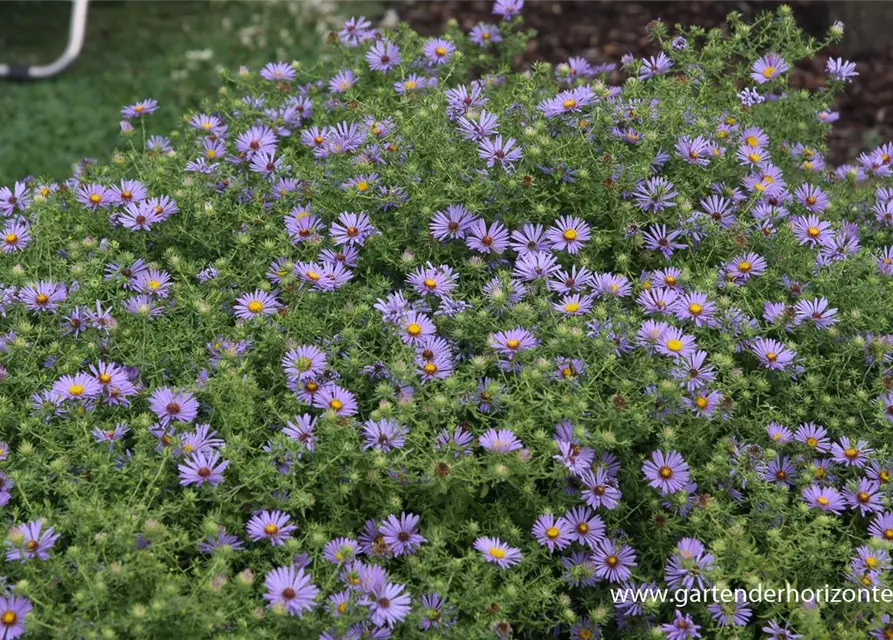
<point x="409" y="344"/>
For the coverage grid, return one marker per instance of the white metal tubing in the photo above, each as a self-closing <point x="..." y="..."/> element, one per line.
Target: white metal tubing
<point x="77" y="28"/>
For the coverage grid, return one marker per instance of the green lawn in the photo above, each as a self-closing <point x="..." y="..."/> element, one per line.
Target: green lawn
<point x="166" y="50"/>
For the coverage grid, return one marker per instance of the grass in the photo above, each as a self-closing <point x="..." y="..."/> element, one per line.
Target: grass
<point x="166" y="50"/>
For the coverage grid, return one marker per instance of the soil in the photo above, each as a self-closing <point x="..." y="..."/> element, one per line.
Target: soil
<point x="602" y="31"/>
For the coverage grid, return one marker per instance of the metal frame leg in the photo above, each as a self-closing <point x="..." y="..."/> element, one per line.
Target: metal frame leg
<point x="76" y="31"/>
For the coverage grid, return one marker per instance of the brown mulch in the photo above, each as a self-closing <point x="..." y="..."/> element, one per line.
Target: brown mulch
<point x="602" y="31"/>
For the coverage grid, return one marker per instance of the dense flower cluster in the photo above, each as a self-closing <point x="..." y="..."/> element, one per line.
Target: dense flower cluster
<point x="417" y="345"/>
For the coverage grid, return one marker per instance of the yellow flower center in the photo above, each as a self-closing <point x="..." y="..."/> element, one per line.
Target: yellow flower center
<point x="414" y="329"/>
<point x="362" y="186"/>
<point x="312" y="275"/>
<point x="701" y="402"/>
<point x="410" y="85"/>
<point x="9" y="618"/>
<point x="430" y="368"/>
<point x="11" y="238"/>
<point x="754" y="156"/>
<point x="768" y="72"/>
<point x="744" y="266"/>
<point x="569" y="104"/>
<point x="822" y="500"/>
<point x="255" y="306"/>
<point x="440" y="51"/>
<point x="771" y="356"/>
<point x="695" y="309"/>
<point x="497" y="552"/>
<point x="95" y="198"/>
<point x="211" y="153"/>
<point x="271" y="529"/>
<point x="430" y="283"/>
<point x="570" y="234"/>
<point x="674" y="345"/>
<point x="665" y="472"/>
<point x="811" y="442"/>
<point x="552" y="533"/>
<point x="871" y="562"/>
<point x="154" y="284"/>
<point x="513" y="344"/>
<point x="105" y="378"/>
<point x="812" y="232"/>
<point x="572" y="307"/>
<point x="336" y="404"/>
<point x="851" y="453"/>
<point x="76" y="390"/>
<point x="811" y="200"/>
<point x="752" y="141"/>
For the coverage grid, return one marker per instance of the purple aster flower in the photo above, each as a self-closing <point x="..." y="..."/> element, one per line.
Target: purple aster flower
<point x="780" y="632"/>
<point x="676" y="344"/>
<point x="16" y="235"/>
<point x="815" y="312"/>
<point x="657" y="238"/>
<point x="453" y="223"/>
<point x="479" y="127"/>
<point x="274" y="526"/>
<point x="586" y="527"/>
<point x="30" y="541"/>
<point x="257" y="304"/>
<point x="14" y="612"/>
<point x="882" y="526"/>
<point x="693" y="372"/>
<point x="694" y="150"/>
<point x="667" y="472"/>
<point x="704" y="403"/>
<point x="768" y="67"/>
<point x="170" y="405"/>
<point x="510" y="343"/>
<point x="568" y="234"/>
<point x="355" y="31"/>
<point x="352" y="228"/>
<point x="388" y="604"/>
<point x="343" y="81"/>
<point x="383" y="56"/>
<point x="500" y="441"/>
<point x="340" y="550"/>
<point x="334" y="398"/>
<point x="438" y="51"/>
<point x="258" y="139"/>
<point x="484" y="34"/>
<point x="43" y="296"/>
<point x="278" y="72"/>
<point x="772" y="353"/>
<point x="599" y="489"/>
<point x="735" y="613"/>
<point x="696" y="308"/>
<point x="384" y="435"/>
<point x="655" y="66"/>
<point x="841" y="70"/>
<point x="552" y="532"/>
<point x="864" y="497"/>
<point x="508" y="9"/>
<point x="613" y="561"/>
<point x="306" y="361"/>
<point x="779" y="434"/>
<point x="655" y="194"/>
<point x="202" y="468"/>
<point x="138" y="216"/>
<point x="265" y="163"/>
<point x="95" y="196"/>
<point x="812" y="198"/>
<point x="79" y="387"/>
<point x="16" y="199"/>
<point x="851" y="454"/>
<point x="825" y="498"/>
<point x="300" y="429"/>
<point x="401" y="533"/>
<point x="436" y="612"/>
<point x="811" y="230"/>
<point x="292" y="589"/>
<point x="494" y="150"/>
<point x="497" y="552"/>
<point x="221" y="540"/>
<point x="569" y="101"/>
<point x="780" y="471"/>
<point x="681" y="628"/>
<point x="484" y="239"/>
